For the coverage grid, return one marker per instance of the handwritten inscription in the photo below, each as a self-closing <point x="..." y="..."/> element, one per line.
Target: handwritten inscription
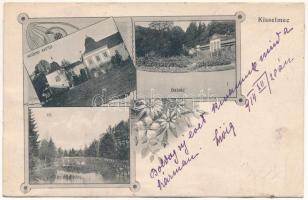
<point x="253" y="69"/>
<point x="262" y="83"/>
<point x="273" y="75"/>
<point x="275" y="43"/>
<point x="173" y="157"/>
<point x="259" y="86"/>
<point x="221" y="133"/>
<point x="166" y="179"/>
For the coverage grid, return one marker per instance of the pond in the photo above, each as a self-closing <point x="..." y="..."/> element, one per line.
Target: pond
<point x="81" y="170"/>
<point x="73" y="177"/>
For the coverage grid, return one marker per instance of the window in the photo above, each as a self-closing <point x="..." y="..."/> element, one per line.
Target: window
<point x="105" y="54"/>
<point x="58" y="78"/>
<point x="98" y="58"/>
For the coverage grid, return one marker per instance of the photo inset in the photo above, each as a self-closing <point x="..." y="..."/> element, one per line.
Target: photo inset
<point x="73" y="70"/>
<point x="189" y="57"/>
<point x="79" y="146"/>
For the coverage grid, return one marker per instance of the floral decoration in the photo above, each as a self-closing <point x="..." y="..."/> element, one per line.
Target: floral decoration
<point x="157" y="119"/>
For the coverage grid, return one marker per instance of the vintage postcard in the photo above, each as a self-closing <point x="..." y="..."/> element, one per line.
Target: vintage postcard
<point x="153" y="100"/>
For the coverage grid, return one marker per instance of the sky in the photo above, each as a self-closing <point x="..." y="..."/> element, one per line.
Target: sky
<point x="182" y="24"/>
<point x="76" y="127"/>
<point x="71" y="46"/>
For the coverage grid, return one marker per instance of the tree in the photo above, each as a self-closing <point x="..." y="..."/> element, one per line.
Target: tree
<point x="106" y="146"/>
<point x="121" y="136"/>
<point x="221" y="27"/>
<point x="92" y="150"/>
<point x="191" y="34"/>
<point x="65" y="154"/>
<point x="116" y="59"/>
<point x="40" y="83"/>
<point x="60" y="152"/>
<point x="79" y="153"/>
<point x="47" y="151"/>
<point x="176" y="38"/>
<point x="43" y="151"/>
<point x="161" y="26"/>
<point x="33" y="143"/>
<point x="52" y="151"/>
<point x="42" y="67"/>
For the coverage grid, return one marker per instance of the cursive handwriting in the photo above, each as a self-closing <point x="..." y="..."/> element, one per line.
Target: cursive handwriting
<point x="280" y="67"/>
<point x="275" y="43"/>
<point x="220" y="133"/>
<point x="195" y="130"/>
<point x="217" y="105"/>
<point x="159" y="174"/>
<point x="253" y="68"/>
<point x="155" y="172"/>
<point x="262" y="83"/>
<point x="167" y="179"/>
<point x="163" y="162"/>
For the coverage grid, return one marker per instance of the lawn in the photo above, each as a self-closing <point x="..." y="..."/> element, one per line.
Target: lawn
<point x="117" y="82"/>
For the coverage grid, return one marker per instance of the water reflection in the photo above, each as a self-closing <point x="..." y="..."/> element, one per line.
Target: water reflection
<point x="73" y="177"/>
<point x="84" y="170"/>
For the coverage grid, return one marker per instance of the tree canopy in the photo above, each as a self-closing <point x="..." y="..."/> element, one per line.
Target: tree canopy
<point x="166" y="39"/>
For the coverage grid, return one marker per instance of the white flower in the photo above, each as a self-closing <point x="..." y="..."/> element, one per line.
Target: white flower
<point x="150" y="107"/>
<point x="167" y="122"/>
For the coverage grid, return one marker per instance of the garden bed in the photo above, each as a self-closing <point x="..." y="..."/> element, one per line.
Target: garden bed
<point x="202" y="61"/>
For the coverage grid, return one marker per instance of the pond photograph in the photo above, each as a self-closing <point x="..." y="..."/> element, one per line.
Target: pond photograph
<point x="79" y="146"/>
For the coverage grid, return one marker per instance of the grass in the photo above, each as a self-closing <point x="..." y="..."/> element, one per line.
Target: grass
<point x="46" y="174"/>
<point x="118" y="81"/>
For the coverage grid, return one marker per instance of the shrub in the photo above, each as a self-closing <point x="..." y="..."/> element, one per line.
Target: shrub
<point x="169" y="62"/>
<point x="116" y="59"/>
<point x="217" y="59"/>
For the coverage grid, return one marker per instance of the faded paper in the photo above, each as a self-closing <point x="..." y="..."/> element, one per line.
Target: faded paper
<point x="250" y="144"/>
